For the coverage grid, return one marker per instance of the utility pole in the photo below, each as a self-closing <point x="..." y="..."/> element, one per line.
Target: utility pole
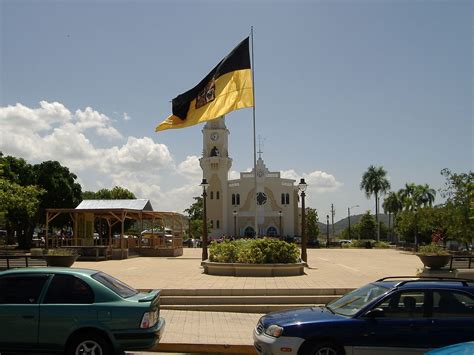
<point x="333" y="213"/>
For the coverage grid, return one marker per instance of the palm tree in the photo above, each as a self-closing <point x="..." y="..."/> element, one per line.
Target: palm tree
<point x="392" y="204"/>
<point x="424" y="195"/>
<point x="374" y="182"/>
<point x="407" y="196"/>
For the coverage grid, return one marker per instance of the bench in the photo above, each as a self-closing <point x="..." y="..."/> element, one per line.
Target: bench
<point x="92" y="252"/>
<point x="461" y="262"/>
<point x="9" y="261"/>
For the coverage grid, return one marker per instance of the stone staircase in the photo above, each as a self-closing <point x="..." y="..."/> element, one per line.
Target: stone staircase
<point x="246" y="301"/>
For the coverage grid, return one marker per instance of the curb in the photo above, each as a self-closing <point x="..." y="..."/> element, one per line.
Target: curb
<point x="204" y="348"/>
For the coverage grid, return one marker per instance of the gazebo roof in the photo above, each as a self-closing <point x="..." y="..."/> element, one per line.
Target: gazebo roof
<point x="138" y="205"/>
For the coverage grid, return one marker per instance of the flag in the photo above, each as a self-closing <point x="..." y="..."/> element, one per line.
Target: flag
<point x="226" y="88"/>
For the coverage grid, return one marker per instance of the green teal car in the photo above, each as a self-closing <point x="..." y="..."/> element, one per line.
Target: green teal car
<point x="75" y="311"/>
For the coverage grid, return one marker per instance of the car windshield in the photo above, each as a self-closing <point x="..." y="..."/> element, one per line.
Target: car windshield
<point x="352" y="302"/>
<point x="115" y="285"/>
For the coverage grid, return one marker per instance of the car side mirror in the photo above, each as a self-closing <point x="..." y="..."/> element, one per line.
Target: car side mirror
<point x="375" y="313"/>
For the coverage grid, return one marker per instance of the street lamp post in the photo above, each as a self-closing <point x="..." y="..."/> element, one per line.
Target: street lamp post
<point x="204" y="185"/>
<point x="235" y="223"/>
<point x="280" y="214"/>
<point x="349" y="218"/>
<point x="302" y="187"/>
<point x="327" y="231"/>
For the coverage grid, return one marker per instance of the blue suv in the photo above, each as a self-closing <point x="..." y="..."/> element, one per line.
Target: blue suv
<point x="395" y="314"/>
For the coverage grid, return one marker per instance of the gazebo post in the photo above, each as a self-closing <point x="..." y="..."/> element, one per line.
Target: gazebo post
<point x="46" y="230"/>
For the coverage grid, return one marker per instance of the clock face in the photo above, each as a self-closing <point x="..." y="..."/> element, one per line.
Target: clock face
<point x="261" y="198"/>
<point x="214" y="136"/>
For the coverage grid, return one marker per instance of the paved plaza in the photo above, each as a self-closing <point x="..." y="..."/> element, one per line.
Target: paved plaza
<point x="206" y="332"/>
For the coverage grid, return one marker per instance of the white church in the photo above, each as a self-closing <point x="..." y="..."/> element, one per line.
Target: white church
<point x="231" y="206"/>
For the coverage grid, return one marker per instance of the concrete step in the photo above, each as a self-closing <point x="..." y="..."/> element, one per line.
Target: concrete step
<point x="254" y="292"/>
<point x="240" y="300"/>
<point x="237" y="308"/>
<point x="246" y="300"/>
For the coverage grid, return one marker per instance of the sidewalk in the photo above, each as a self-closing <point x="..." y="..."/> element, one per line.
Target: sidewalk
<point x="222" y="332"/>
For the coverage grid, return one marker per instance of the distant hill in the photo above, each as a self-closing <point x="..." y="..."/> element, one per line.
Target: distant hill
<point x="339" y="226"/>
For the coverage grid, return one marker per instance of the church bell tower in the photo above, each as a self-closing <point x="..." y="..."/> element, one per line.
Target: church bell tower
<point x="215" y="164"/>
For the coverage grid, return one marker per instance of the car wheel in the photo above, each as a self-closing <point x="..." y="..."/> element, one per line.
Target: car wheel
<point x="90" y="344"/>
<point x="326" y="349"/>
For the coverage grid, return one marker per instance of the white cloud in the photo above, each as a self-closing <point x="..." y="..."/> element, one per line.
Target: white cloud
<point x="21" y="118"/>
<point x="190" y="168"/>
<point x="318" y="181"/>
<point x="90" y="119"/>
<point x="126" y="117"/>
<point x="234" y="175"/>
<point x="51" y="132"/>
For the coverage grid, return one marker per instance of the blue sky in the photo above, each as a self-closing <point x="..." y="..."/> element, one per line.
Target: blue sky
<point x="340" y="85"/>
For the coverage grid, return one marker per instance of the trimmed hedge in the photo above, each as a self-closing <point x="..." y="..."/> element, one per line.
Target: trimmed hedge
<point x="254" y="251"/>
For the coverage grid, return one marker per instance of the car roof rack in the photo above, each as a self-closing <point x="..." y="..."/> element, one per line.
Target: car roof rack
<point x="464" y="282"/>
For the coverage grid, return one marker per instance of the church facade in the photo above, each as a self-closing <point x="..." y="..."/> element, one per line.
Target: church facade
<point x="266" y="205"/>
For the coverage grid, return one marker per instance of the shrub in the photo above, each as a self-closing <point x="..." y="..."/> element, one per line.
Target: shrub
<point x="381" y="245"/>
<point x="432" y="249"/>
<point x="357" y="244"/>
<point x="254" y="251"/>
<point x="61" y="252"/>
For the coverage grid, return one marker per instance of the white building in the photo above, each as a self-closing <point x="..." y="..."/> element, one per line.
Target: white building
<point x="231" y="207"/>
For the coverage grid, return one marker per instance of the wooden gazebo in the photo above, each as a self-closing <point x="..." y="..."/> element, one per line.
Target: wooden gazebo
<point x="89" y="243"/>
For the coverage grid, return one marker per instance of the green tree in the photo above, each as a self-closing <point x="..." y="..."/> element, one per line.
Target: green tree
<point x="62" y="190"/>
<point x="407" y="196"/>
<point x="18" y="203"/>
<point x="393" y="205"/>
<point x="424" y="195"/>
<point x="459" y="194"/>
<point x="367" y="227"/>
<point x="374" y="182"/>
<point x="429" y="219"/>
<point x="312" y="226"/>
<point x="117" y="193"/>
<point x="415" y="196"/>
<point x="195" y="215"/>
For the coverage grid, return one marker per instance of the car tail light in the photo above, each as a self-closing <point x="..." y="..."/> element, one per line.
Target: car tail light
<point x="149" y="319"/>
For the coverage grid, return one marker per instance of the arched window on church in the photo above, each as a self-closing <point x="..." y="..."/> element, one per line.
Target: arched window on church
<point x="212" y="195"/>
<point x="233" y="199"/>
<point x="215" y="152"/>
<point x="249" y="232"/>
<point x="272" y="232"/>
<point x="282" y="199"/>
<point x="218" y="225"/>
<point x="238" y="199"/>
<point x="217" y="195"/>
<point x="287" y="199"/>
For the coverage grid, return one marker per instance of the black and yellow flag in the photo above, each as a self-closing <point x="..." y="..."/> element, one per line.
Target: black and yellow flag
<point x="226" y="88"/>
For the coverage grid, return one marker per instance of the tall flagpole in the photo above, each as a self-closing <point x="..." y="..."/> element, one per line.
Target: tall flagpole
<point x="254" y="138"/>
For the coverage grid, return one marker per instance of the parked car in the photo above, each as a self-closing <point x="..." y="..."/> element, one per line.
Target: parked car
<point x="344" y="242"/>
<point x="391" y="314"/>
<point x="456" y="349"/>
<point x="76" y="311"/>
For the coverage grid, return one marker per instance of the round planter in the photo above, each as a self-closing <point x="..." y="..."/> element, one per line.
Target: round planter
<point x="60" y="260"/>
<point x="258" y="270"/>
<point x="434" y="261"/>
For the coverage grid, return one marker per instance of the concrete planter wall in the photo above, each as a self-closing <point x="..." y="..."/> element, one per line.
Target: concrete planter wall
<point x="60" y="260"/>
<point x="259" y="270"/>
<point x="434" y="262"/>
<point x="166" y="252"/>
<point x="119" y="254"/>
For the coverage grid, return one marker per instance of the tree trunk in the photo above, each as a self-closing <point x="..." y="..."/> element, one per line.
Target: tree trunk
<point x="377" y="216"/>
